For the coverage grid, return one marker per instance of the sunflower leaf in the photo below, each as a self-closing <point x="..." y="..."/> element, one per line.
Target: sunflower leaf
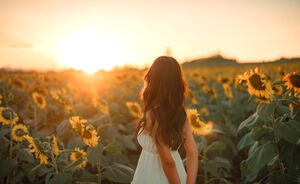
<point x="245" y="141"/>
<point x="217" y="145"/>
<point x="114" y="147"/>
<point x="3" y="132"/>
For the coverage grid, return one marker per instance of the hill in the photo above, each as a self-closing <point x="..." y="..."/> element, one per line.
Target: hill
<point x="219" y="60"/>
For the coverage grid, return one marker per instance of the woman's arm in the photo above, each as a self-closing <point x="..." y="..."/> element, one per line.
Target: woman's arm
<point x="191" y="155"/>
<point x="168" y="163"/>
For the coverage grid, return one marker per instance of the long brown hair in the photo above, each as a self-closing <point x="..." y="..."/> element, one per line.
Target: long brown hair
<point x="164" y="94"/>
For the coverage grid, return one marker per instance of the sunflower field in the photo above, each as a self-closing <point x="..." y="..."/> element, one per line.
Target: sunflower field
<point x="72" y="127"/>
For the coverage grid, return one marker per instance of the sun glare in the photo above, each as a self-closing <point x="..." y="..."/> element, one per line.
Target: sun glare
<point x="91" y="51"/>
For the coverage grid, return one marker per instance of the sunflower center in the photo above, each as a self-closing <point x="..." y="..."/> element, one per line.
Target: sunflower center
<point x="77" y="155"/>
<point x="134" y="109"/>
<point x="78" y="128"/>
<point x="20" y="132"/>
<point x="224" y="80"/>
<point x="87" y="134"/>
<point x="195" y="122"/>
<point x="255" y="81"/>
<point x="6" y="114"/>
<point x="295" y="80"/>
<point x="39" y="100"/>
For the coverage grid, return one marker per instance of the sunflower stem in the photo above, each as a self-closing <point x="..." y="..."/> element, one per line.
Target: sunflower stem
<point x="54" y="162"/>
<point x="35" y="118"/>
<point x="11" y="143"/>
<point x="99" y="172"/>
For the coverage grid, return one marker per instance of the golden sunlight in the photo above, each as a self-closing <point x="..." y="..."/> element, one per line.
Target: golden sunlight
<point x="91" y="51"/>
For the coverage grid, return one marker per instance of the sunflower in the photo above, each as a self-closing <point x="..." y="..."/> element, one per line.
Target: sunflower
<point x="39" y="100"/>
<point x="34" y="149"/>
<point x="211" y="91"/>
<point x="89" y="136"/>
<point x="257" y="84"/>
<point x="196" y="125"/>
<point x="76" y="155"/>
<point x="18" y="132"/>
<point x="204" y="111"/>
<point x="135" y="109"/>
<point x="262" y="99"/>
<point x="55" y="145"/>
<point x="292" y="81"/>
<point x="192" y="97"/>
<point x="101" y="105"/>
<point x="0" y="99"/>
<point x="208" y="128"/>
<point x="87" y="133"/>
<point x="224" y="80"/>
<point x="5" y="113"/>
<point x="277" y="89"/>
<point x="227" y="90"/>
<point x="10" y="96"/>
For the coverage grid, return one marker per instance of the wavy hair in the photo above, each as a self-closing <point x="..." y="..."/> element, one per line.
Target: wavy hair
<point x="164" y="94"/>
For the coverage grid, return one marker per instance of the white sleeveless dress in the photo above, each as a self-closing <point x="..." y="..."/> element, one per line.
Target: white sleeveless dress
<point x="149" y="169"/>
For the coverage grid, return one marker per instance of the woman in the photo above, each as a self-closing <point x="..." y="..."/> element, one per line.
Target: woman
<point x="164" y="127"/>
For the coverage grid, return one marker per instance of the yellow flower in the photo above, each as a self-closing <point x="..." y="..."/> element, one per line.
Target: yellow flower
<point x="18" y="132"/>
<point x="0" y="99"/>
<point x="292" y="81"/>
<point x="135" y="109"/>
<point x="76" y="155"/>
<point x="55" y="145"/>
<point x="224" y="80"/>
<point x="262" y="99"/>
<point x="5" y="113"/>
<point x="208" y="128"/>
<point x="102" y="106"/>
<point x="227" y="90"/>
<point x="192" y="97"/>
<point x="89" y="136"/>
<point x="211" y="91"/>
<point x="34" y="149"/>
<point x="87" y="133"/>
<point x="257" y="84"/>
<point x="39" y="100"/>
<point x="204" y="111"/>
<point x="198" y="127"/>
<point x="277" y="89"/>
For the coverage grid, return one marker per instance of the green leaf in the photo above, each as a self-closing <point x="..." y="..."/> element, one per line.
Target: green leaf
<point x="245" y="141"/>
<point x="61" y="178"/>
<point x="249" y="122"/>
<point x="289" y="131"/>
<point x="217" y="145"/>
<point x="6" y="167"/>
<point x="262" y="155"/>
<point x="258" y="132"/>
<point x="95" y="154"/>
<point x="88" y="177"/>
<point x="114" y="147"/>
<point x="3" y="132"/>
<point x="119" y="173"/>
<point x="266" y="110"/>
<point x="213" y="166"/>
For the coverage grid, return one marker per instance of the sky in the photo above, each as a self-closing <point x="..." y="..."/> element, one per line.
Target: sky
<point x="89" y="35"/>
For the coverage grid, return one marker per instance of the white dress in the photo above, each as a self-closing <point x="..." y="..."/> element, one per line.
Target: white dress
<point x="149" y="169"/>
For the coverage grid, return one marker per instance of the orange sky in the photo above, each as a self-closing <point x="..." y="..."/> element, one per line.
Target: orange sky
<point x="57" y="34"/>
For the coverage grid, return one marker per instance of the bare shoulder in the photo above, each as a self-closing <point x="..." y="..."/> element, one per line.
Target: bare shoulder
<point x="149" y="123"/>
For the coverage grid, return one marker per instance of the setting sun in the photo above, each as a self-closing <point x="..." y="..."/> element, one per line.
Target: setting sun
<point x="91" y="51"/>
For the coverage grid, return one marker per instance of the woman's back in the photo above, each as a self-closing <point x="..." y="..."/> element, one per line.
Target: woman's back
<point x="149" y="168"/>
